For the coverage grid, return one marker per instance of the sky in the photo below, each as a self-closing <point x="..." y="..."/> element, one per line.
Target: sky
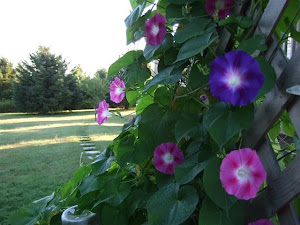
<point x="91" y="33"/>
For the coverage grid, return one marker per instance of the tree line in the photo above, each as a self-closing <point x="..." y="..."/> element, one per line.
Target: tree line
<point x="44" y="85"/>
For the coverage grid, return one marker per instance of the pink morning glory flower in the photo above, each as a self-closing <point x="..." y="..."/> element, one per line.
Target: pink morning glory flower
<point x="155" y="29"/>
<point x="235" y="78"/>
<point x="102" y="112"/>
<point x="262" y="222"/>
<point x="224" y="7"/>
<point x="167" y="156"/>
<point x="242" y="173"/>
<point x="117" y="92"/>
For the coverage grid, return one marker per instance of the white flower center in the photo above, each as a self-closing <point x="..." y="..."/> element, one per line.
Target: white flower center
<point x="243" y="174"/>
<point x="155" y="30"/>
<point x="220" y="4"/>
<point x="168" y="158"/>
<point x="234" y="81"/>
<point x="119" y="90"/>
<point x="106" y="113"/>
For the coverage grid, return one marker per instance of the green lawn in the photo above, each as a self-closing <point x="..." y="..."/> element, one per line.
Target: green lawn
<point x="38" y="153"/>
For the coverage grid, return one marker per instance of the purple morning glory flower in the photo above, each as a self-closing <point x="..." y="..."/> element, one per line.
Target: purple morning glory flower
<point x="235" y="78"/>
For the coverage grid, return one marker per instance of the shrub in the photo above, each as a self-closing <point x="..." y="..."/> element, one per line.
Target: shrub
<point x="7" y="106"/>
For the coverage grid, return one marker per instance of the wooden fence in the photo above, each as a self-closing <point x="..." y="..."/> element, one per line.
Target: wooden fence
<point x="283" y="186"/>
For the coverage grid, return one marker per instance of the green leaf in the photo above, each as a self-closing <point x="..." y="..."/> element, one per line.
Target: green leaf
<point x="170" y="56"/>
<point x="167" y="76"/>
<point x="150" y="50"/>
<point x="155" y="126"/>
<point x="29" y="214"/>
<point x="197" y="78"/>
<point x="213" y="187"/>
<point x="269" y="74"/>
<point x="89" y="184"/>
<point x="274" y="131"/>
<point x="145" y="101"/>
<point x="127" y="59"/>
<point x="163" y="96"/>
<point x="136" y="73"/>
<point x="210" y="214"/>
<point x="194" y="28"/>
<point x="189" y="125"/>
<point x="137" y="30"/>
<point x="113" y="192"/>
<point x="132" y="96"/>
<point x="191" y="167"/>
<point x="125" y="150"/>
<point x="252" y="44"/>
<point x="243" y="22"/>
<point x="134" y="15"/>
<point x="224" y="122"/>
<point x="195" y="46"/>
<point x="174" y="12"/>
<point x="171" y="205"/>
<point x="287" y="125"/>
<point x="136" y="3"/>
<point x="113" y="216"/>
<point x="102" y="162"/>
<point x="284" y="26"/>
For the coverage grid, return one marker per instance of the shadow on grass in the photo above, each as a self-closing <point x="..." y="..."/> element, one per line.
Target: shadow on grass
<point x="32" y="172"/>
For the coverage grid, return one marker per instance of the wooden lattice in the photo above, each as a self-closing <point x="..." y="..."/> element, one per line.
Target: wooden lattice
<point x="283" y="186"/>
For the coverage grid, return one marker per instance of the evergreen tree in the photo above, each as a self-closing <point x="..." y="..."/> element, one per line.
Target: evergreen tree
<point x="74" y="95"/>
<point x="7" y="77"/>
<point x="42" y="83"/>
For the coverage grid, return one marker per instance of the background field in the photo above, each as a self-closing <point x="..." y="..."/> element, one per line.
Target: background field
<point x="38" y="153"/>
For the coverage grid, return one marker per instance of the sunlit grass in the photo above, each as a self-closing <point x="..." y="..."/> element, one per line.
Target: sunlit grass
<point x="40" y="152"/>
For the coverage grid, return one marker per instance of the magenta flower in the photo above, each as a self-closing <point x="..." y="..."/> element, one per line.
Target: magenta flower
<point x="224" y="7"/>
<point x="166" y="157"/>
<point x="262" y="222"/>
<point x="242" y="173"/>
<point x="117" y="92"/>
<point x="102" y="112"/>
<point x="235" y="78"/>
<point x="155" y="29"/>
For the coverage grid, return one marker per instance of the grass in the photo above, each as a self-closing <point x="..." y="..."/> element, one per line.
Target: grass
<point x="38" y="153"/>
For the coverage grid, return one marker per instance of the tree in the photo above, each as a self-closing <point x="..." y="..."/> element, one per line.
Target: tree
<point x="7" y="77"/>
<point x="42" y="84"/>
<point x="101" y="73"/>
<point x="94" y="89"/>
<point x="74" y="95"/>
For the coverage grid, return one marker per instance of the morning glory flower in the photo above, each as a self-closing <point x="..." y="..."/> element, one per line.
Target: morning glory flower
<point x="155" y="29"/>
<point x="117" y="92"/>
<point x="167" y="156"/>
<point x="242" y="173"/>
<point x="204" y="99"/>
<point x="224" y="7"/>
<point x="102" y="112"/>
<point x="262" y="222"/>
<point x="235" y="78"/>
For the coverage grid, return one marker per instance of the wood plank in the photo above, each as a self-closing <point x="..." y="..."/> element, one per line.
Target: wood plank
<point x="276" y="56"/>
<point x="271" y="17"/>
<point x="274" y="104"/>
<point x="294" y="113"/>
<point x="287" y="214"/>
<point x="278" y="193"/>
